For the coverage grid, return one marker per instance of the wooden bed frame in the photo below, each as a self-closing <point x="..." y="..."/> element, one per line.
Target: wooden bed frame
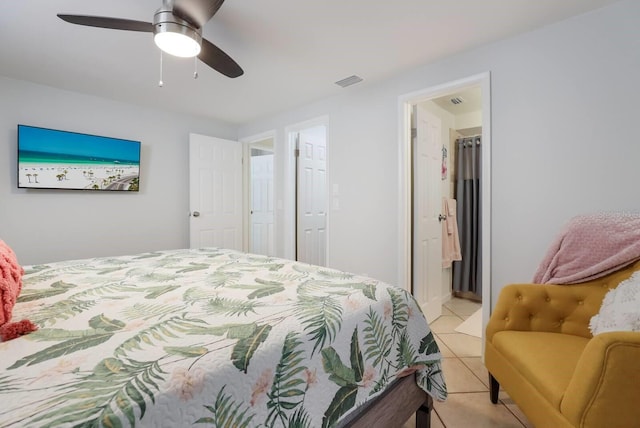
<point x="393" y="407"/>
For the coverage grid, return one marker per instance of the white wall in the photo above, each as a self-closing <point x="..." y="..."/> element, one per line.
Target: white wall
<point x="49" y="225"/>
<point x="361" y="160"/>
<point x="564" y="107"/>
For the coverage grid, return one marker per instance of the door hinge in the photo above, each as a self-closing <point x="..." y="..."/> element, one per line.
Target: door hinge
<point x="414" y="132"/>
<point x="296" y="151"/>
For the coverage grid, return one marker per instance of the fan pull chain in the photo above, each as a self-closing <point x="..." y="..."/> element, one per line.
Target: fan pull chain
<point x="195" y="67"/>
<point x="161" y="83"/>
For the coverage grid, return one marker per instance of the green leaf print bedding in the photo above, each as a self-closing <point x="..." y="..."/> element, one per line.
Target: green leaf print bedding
<point x="207" y="337"/>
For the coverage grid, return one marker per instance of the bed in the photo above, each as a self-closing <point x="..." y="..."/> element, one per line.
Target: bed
<point x="213" y="337"/>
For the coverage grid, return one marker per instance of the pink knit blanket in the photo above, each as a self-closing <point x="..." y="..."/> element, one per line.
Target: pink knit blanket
<point x="591" y="246"/>
<point x="10" y="281"/>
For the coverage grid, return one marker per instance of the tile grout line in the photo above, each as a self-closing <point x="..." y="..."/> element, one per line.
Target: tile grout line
<point x="514" y="415"/>
<point x="472" y="372"/>
<point x="478" y="377"/>
<point x="439" y="418"/>
<point x="460" y="359"/>
<point x="502" y="403"/>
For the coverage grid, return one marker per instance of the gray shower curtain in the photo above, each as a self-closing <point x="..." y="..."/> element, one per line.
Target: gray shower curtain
<point x="467" y="273"/>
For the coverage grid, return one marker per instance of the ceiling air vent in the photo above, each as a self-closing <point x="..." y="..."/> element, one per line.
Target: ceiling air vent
<point x="348" y="81"/>
<point x="456" y="100"/>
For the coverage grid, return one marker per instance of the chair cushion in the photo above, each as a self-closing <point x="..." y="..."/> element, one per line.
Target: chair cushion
<point x="547" y="360"/>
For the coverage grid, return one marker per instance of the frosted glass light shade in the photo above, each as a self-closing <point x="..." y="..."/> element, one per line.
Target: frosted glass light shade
<point x="177" y="44"/>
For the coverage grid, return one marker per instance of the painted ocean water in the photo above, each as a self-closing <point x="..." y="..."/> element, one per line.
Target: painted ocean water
<point x="53" y="159"/>
<point x="27" y="156"/>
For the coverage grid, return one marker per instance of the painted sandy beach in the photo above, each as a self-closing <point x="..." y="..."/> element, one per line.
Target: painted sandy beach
<point x="79" y="176"/>
<point x="53" y="159"/>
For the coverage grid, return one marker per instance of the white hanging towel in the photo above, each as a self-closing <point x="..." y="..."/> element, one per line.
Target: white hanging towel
<point x="450" y="238"/>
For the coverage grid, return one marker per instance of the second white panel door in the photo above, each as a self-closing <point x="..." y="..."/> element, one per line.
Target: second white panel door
<point x="262" y="238"/>
<point x="311" y="196"/>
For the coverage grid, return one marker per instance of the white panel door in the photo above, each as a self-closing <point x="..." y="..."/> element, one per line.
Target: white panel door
<point x="215" y="186"/>
<point x="312" y="213"/>
<point x="262" y="239"/>
<point x="427" y="262"/>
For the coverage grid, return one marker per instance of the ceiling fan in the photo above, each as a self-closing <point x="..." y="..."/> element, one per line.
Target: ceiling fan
<point x="177" y="28"/>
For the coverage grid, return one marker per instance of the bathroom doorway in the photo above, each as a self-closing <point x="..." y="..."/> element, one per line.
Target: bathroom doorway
<point x="410" y="258"/>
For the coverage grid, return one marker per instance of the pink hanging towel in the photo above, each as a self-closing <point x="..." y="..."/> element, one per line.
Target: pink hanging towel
<point x="450" y="238"/>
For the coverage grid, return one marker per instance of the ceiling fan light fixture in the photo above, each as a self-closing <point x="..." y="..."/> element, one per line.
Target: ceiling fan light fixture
<point x="177" y="29"/>
<point x="177" y="44"/>
<point x="177" y="39"/>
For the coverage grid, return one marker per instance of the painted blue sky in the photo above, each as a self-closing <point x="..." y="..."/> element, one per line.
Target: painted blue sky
<point x="70" y="143"/>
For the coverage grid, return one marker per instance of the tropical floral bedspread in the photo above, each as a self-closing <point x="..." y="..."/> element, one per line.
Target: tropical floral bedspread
<point x="207" y="337"/>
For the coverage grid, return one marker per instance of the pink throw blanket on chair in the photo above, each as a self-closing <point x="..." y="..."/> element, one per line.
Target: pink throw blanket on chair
<point x="589" y="247"/>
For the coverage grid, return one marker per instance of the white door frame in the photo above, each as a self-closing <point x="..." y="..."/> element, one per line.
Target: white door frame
<point x="289" y="188"/>
<point x="248" y="143"/>
<point x="405" y="186"/>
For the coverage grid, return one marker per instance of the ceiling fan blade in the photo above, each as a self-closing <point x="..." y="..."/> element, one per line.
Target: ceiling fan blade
<point x="111" y="23"/>
<point x="197" y="12"/>
<point x="215" y="58"/>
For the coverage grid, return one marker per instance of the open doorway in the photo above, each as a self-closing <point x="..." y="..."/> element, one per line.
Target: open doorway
<point x="261" y="234"/>
<point x="427" y="178"/>
<point x="461" y="115"/>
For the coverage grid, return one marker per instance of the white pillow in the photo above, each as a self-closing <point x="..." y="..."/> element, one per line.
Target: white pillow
<point x="620" y="310"/>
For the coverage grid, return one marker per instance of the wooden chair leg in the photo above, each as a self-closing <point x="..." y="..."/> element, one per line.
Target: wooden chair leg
<point x="423" y="415"/>
<point x="494" y="389"/>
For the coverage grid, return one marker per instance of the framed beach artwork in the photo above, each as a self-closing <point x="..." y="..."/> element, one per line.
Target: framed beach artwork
<point x="54" y="159"/>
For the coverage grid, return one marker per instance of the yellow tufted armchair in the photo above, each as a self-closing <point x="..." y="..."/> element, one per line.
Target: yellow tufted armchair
<point x="539" y="348"/>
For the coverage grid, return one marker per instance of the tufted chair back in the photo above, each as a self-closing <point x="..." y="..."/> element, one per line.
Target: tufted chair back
<point x="543" y="311"/>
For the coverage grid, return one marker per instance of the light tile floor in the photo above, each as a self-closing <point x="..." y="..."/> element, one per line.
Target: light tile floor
<point x="468" y="404"/>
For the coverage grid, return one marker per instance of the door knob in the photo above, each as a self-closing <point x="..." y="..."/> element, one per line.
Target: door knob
<point x="196" y="213"/>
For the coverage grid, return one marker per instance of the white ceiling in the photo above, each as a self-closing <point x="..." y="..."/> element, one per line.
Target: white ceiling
<point x="292" y="51"/>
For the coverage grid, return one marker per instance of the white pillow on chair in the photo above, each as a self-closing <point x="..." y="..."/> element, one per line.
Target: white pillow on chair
<point x="620" y="310"/>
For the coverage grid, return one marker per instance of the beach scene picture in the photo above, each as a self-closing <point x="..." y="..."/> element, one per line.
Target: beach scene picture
<point x="53" y="159"/>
